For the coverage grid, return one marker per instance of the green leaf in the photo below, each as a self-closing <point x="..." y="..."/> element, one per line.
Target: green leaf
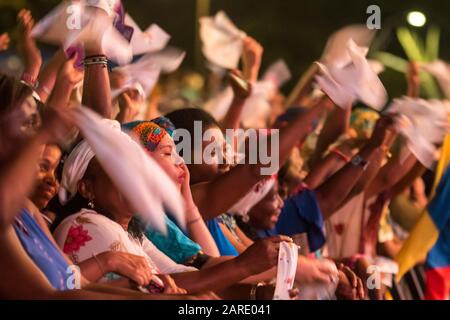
<point x="432" y="43"/>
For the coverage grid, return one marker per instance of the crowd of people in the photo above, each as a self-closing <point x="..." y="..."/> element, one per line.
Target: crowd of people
<point x="98" y="202"/>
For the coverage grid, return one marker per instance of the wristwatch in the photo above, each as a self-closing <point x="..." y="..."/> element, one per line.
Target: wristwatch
<point x="357" y="160"/>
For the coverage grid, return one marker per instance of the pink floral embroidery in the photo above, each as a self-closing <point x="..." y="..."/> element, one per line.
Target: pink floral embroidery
<point x="76" y="238"/>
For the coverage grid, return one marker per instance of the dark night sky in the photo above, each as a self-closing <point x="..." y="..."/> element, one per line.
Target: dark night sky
<point x="295" y="30"/>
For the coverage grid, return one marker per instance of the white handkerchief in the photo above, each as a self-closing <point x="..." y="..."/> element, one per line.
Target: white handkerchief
<point x="278" y="73"/>
<point x="286" y="270"/>
<point x="336" y="53"/>
<point x="256" y="108"/>
<point x="355" y="81"/>
<point x="319" y="290"/>
<point x="441" y="71"/>
<point x="153" y="39"/>
<point x="423" y="123"/>
<point x="138" y="177"/>
<point x="222" y="40"/>
<point x="147" y="69"/>
<point x="258" y="192"/>
<point x="71" y="23"/>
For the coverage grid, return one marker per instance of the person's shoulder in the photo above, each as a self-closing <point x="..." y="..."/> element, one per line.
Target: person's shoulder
<point x="89" y="219"/>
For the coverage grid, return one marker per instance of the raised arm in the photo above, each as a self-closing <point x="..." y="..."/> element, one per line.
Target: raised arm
<point x="251" y="59"/>
<point x="68" y="76"/>
<point x="26" y="46"/>
<point x="239" y="180"/>
<point x="332" y="193"/>
<point x="336" y="124"/>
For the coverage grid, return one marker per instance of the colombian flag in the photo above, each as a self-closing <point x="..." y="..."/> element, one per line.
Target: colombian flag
<point x="430" y="238"/>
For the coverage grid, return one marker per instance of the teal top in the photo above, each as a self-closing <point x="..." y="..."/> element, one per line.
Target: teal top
<point x="175" y="244"/>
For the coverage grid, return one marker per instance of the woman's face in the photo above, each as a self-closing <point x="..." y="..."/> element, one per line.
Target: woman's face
<point x="166" y="156"/>
<point x="98" y="188"/>
<point x="264" y="215"/>
<point x="212" y="155"/>
<point x="23" y="120"/>
<point x="46" y="185"/>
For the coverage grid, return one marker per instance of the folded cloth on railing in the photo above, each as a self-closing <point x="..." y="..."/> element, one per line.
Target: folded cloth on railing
<point x="286" y="269"/>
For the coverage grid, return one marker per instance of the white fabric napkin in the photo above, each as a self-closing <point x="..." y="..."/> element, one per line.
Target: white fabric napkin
<point x="286" y="270"/>
<point x="353" y="82"/>
<point x="423" y="123"/>
<point x="222" y="40"/>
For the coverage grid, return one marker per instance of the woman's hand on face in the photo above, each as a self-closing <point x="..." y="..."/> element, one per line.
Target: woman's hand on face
<point x="170" y="286"/>
<point x="185" y="186"/>
<point x="4" y="41"/>
<point x="262" y="254"/>
<point x="25" y="43"/>
<point x="350" y="287"/>
<point x="135" y="268"/>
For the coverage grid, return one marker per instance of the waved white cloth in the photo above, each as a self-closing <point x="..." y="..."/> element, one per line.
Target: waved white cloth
<point x="286" y="270"/>
<point x="356" y="81"/>
<point x="222" y="40"/>
<point x="278" y="73"/>
<point x="150" y="40"/>
<point x="256" y="108"/>
<point x="258" y="192"/>
<point x="60" y="27"/>
<point x="137" y="177"/>
<point x="336" y="53"/>
<point x="147" y="69"/>
<point x="321" y="291"/>
<point x="423" y="123"/>
<point x="441" y="71"/>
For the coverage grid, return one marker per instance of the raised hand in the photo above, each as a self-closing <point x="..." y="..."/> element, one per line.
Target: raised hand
<point x="251" y="58"/>
<point x="413" y="79"/>
<point x="350" y="286"/>
<point x="4" y="41"/>
<point x="70" y="73"/>
<point x="262" y="255"/>
<point x="384" y="132"/>
<point x="26" y="46"/>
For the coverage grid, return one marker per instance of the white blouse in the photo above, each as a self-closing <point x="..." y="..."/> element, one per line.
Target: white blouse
<point x="87" y="233"/>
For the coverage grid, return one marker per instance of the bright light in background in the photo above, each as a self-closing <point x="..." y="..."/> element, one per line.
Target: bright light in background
<point x="416" y="19"/>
